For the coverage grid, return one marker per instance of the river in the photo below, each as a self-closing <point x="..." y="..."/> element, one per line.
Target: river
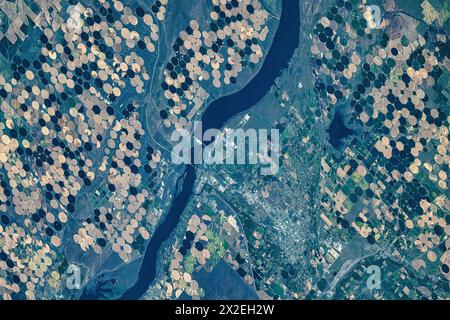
<point x="217" y="114"/>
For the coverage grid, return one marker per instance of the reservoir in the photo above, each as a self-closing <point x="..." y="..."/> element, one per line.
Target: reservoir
<point x="338" y="131"/>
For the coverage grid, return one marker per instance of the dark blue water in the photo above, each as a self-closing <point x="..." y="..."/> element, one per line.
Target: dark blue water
<point x="284" y="44"/>
<point x="220" y="111"/>
<point x="338" y="131"/>
<point x="163" y="231"/>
